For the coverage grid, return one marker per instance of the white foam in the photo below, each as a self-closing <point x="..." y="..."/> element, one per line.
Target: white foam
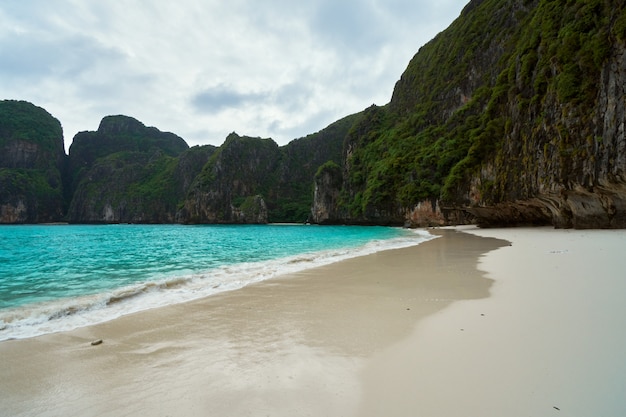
<point x="67" y="314"/>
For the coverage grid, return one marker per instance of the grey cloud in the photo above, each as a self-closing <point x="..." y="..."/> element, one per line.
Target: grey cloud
<point x="340" y="25"/>
<point x="281" y="68"/>
<point x="30" y="54"/>
<point x="348" y="24"/>
<point x="222" y="97"/>
<point x="314" y="123"/>
<point x="364" y="27"/>
<point x="33" y="40"/>
<point x="293" y="96"/>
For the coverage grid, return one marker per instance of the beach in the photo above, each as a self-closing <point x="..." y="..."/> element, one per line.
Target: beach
<point x="515" y="322"/>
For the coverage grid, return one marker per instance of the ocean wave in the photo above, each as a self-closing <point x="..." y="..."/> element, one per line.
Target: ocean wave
<point x="71" y="313"/>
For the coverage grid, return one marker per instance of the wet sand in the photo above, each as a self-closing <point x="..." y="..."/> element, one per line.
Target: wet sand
<point x="419" y="331"/>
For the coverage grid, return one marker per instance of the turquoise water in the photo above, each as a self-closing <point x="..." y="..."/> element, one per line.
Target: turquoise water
<point x="56" y="278"/>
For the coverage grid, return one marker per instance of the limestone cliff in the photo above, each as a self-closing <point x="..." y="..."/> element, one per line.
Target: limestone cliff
<point x="326" y="194"/>
<point x="231" y="185"/>
<point x="513" y="115"/>
<point x="118" y="134"/>
<point x="135" y="187"/>
<point x="562" y="156"/>
<point x="253" y="180"/>
<point x="32" y="160"/>
<point x="301" y="159"/>
<point x="126" y="172"/>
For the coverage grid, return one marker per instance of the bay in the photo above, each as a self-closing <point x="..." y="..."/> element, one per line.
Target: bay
<point x="59" y="277"/>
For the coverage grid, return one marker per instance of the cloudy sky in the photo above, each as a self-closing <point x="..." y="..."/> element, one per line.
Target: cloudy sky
<point x="205" y="68"/>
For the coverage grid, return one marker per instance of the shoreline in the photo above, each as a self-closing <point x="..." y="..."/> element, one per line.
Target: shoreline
<point x="463" y="324"/>
<point x="288" y="346"/>
<point x="156" y="291"/>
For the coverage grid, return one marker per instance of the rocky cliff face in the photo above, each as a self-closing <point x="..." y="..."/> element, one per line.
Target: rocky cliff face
<point x="301" y="160"/>
<point x="396" y="157"/>
<point x="231" y="185"/>
<point x="32" y="159"/>
<point x="253" y="180"/>
<point x="513" y="115"/>
<point x="562" y="158"/>
<point x="118" y="134"/>
<point x="129" y="173"/>
<point x="133" y="188"/>
<point x="326" y="194"/>
<point x="126" y="172"/>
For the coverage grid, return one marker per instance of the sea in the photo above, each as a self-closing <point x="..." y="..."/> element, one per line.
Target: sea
<point x="60" y="277"/>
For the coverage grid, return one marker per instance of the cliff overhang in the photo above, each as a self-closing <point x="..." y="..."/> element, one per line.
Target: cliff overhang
<point x="601" y="207"/>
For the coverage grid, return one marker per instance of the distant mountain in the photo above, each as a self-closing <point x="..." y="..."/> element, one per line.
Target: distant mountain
<point x="513" y="115"/>
<point x="32" y="160"/>
<point x="253" y="180"/>
<point x="126" y="172"/>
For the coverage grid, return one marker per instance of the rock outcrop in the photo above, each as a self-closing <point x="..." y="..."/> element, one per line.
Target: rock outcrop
<point x="230" y="187"/>
<point x="126" y="172"/>
<point x="118" y="134"/>
<point x="137" y="187"/>
<point x="253" y="180"/>
<point x="562" y="158"/>
<point x="326" y="194"/>
<point x="513" y="115"/>
<point x="129" y="173"/>
<point x="32" y="160"/>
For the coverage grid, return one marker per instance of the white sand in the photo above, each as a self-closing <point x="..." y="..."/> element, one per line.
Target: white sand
<point x="551" y="340"/>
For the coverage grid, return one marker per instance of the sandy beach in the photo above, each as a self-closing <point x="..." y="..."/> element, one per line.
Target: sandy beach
<point x="462" y="325"/>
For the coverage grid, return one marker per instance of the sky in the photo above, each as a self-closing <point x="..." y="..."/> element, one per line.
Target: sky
<point x="205" y="68"/>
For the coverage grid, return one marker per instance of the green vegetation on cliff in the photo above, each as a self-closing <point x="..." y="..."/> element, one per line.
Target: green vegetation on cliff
<point x="301" y="160"/>
<point x="514" y="114"/>
<point x="440" y="121"/>
<point x="126" y="172"/>
<point x="500" y="106"/>
<point x="548" y="96"/>
<point x="32" y="160"/>
<point x="21" y="121"/>
<point x="127" y="187"/>
<point x="118" y="134"/>
<point x="245" y="167"/>
<point x="123" y="133"/>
